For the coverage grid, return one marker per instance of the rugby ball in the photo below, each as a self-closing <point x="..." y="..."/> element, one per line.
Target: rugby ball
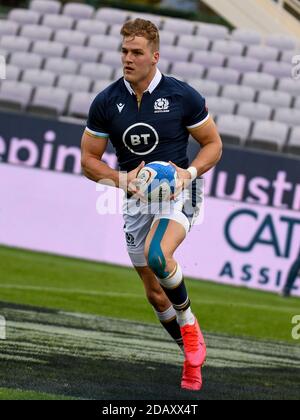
<point x="157" y="181"/>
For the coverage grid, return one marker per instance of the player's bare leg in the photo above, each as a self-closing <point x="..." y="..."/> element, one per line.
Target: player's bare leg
<point x="161" y="303"/>
<point x="163" y="240"/>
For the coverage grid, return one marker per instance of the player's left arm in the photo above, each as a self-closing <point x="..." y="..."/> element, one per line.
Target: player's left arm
<point x="211" y="151"/>
<point x="211" y="146"/>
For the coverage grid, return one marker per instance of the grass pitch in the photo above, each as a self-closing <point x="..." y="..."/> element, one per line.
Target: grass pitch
<point x="78" y="329"/>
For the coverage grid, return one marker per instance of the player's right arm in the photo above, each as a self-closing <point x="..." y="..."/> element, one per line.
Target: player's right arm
<point x="92" y="150"/>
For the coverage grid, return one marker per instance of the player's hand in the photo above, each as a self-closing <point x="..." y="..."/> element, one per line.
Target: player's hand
<point x="183" y="180"/>
<point x="133" y="182"/>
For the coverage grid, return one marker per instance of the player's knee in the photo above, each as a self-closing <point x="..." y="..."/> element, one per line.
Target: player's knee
<point x="157" y="262"/>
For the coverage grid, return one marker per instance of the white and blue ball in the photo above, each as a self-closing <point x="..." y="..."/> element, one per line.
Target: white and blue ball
<point x="157" y="181"/>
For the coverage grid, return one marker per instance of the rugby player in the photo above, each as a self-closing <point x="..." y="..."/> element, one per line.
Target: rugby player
<point x="149" y="117"/>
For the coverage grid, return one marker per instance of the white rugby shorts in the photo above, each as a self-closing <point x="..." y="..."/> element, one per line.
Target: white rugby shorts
<point x="187" y="209"/>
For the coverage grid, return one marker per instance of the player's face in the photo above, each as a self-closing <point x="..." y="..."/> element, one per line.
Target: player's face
<point x="138" y="59"/>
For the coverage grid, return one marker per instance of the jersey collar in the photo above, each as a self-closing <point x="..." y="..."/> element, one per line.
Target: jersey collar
<point x="153" y="85"/>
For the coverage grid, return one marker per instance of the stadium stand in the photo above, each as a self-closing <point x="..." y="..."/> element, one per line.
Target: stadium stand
<point x="73" y="51"/>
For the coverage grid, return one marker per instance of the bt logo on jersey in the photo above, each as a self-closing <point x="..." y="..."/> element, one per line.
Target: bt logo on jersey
<point x="141" y="139"/>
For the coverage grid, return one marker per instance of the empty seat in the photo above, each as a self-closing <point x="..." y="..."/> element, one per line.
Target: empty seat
<point x="39" y="78"/>
<point x="68" y="37"/>
<point x="198" y="43"/>
<point x="8" y="27"/>
<point x="289" y="85"/>
<point x="15" y="94"/>
<point x="15" y="43"/>
<point x="297" y="104"/>
<point x="58" y="22"/>
<point x="115" y="30"/>
<point x="218" y="105"/>
<point x="24" y="16"/>
<point x="263" y="53"/>
<point x="80" y="104"/>
<point x="287" y="56"/>
<point x="78" y="11"/>
<point x="49" y="49"/>
<point x="83" y="54"/>
<point x="212" y="31"/>
<point x="254" y="111"/>
<point x="49" y="100"/>
<point x="239" y="93"/>
<point x="223" y="75"/>
<point x="26" y="60"/>
<point x="174" y="54"/>
<point x="281" y="42"/>
<point x="174" y="76"/>
<point x="111" y="15"/>
<point x="100" y="85"/>
<point x="164" y="65"/>
<point x="36" y="32"/>
<point x="233" y="128"/>
<point x="192" y="70"/>
<point x="179" y="26"/>
<point x="277" y="69"/>
<point x="104" y="42"/>
<point x="246" y="36"/>
<point x="45" y="6"/>
<point x="294" y="142"/>
<point x="243" y="64"/>
<point x="259" y="80"/>
<point x="288" y="116"/>
<point x="205" y="87"/>
<point x="275" y="98"/>
<point x="4" y="54"/>
<point x="74" y="83"/>
<point x="208" y="58"/>
<point x="96" y="71"/>
<point x="167" y="38"/>
<point x="92" y="27"/>
<point x="269" y="135"/>
<point x="12" y="72"/>
<point x="61" y="65"/>
<point x="156" y="19"/>
<point x="111" y="58"/>
<point x="229" y="48"/>
<point x="118" y="73"/>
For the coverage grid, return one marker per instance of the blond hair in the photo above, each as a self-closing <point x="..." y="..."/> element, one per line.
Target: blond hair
<point x="144" y="28"/>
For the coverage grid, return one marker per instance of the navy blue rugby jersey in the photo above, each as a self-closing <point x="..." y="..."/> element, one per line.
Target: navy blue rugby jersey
<point x="157" y="130"/>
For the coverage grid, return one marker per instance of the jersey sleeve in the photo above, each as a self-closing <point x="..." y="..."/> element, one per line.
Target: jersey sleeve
<point x="194" y="109"/>
<point x="97" y="125"/>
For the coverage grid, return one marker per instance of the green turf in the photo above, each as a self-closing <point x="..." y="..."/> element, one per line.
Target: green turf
<point x="91" y="357"/>
<point x="18" y="394"/>
<point x="87" y="287"/>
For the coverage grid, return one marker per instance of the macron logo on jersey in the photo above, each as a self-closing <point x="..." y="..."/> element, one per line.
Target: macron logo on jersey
<point x="161" y="105"/>
<point x="120" y="107"/>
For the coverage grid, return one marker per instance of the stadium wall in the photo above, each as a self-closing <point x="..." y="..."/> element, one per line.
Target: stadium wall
<point x="250" y="234"/>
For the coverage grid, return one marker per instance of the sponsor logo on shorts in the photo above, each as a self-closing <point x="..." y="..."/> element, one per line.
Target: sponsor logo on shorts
<point x="130" y="240"/>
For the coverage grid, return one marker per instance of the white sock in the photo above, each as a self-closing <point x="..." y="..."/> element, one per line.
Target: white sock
<point x="185" y="317"/>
